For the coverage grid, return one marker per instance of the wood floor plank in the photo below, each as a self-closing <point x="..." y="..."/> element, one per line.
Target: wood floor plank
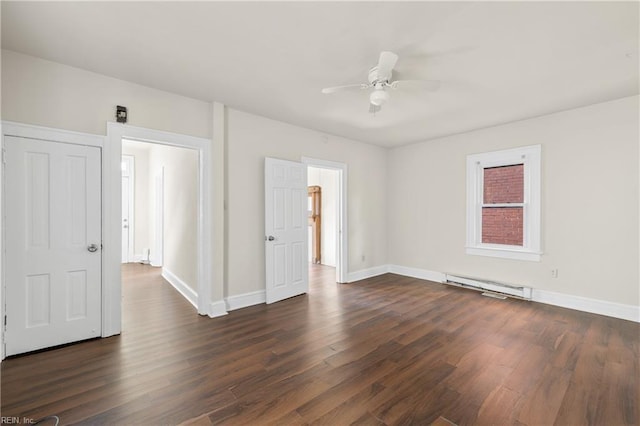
<point x="548" y="394"/>
<point x="618" y="404"/>
<point x="345" y="388"/>
<point x="501" y="407"/>
<point x="388" y="350"/>
<point x="400" y="406"/>
<point x="527" y="373"/>
<point x="579" y="405"/>
<point x="350" y="410"/>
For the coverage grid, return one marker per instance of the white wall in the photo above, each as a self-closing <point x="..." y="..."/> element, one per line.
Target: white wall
<point x="180" y="209"/>
<point x="250" y="139"/>
<point x="327" y="180"/>
<point x="590" y="198"/>
<point x="36" y="91"/>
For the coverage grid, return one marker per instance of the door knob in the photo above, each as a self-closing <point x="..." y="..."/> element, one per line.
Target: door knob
<point x="92" y="248"/>
<point x="270" y="238"/>
<point x="125" y="226"/>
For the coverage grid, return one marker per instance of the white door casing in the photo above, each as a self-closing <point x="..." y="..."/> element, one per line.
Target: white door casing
<point x="112" y="292"/>
<point x="287" y="268"/>
<point x="53" y="243"/>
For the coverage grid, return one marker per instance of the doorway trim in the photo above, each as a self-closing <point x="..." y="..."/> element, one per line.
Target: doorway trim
<point x="112" y="193"/>
<point x="10" y="128"/>
<point x="342" y="257"/>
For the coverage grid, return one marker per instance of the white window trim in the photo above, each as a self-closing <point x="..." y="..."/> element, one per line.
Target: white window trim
<point x="476" y="163"/>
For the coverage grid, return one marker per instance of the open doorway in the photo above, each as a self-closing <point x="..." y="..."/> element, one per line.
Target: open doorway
<point x="161" y="218"/>
<point x="323" y="225"/>
<point x="112" y="219"/>
<point x="327" y="233"/>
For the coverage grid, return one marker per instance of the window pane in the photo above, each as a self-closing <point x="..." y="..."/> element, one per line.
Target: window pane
<point x="502" y="225"/>
<point x="504" y="184"/>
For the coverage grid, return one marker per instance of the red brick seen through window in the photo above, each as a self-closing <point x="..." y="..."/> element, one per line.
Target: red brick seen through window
<point x="502" y="225"/>
<point x="503" y="185"/>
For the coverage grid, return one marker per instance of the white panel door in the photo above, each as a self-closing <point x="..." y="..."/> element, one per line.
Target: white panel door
<point x="53" y="237"/>
<point x="127" y="208"/>
<point x="125" y="219"/>
<point x="287" y="268"/>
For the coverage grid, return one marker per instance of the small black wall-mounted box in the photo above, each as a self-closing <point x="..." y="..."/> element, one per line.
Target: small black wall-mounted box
<point x="121" y="114"/>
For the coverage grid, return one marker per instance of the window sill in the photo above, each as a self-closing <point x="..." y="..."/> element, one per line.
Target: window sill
<point x="505" y="253"/>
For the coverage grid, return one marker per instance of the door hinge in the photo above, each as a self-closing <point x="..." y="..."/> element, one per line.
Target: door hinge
<point x="5" y="323"/>
<point x="4" y="156"/>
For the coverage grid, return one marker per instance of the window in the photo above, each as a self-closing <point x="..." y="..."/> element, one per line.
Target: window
<point x="503" y="203"/>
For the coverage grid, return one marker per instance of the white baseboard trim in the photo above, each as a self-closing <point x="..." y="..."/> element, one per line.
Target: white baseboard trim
<point x="186" y="291"/>
<point x="217" y="309"/>
<point x="422" y="274"/>
<point x="595" y="306"/>
<point x="138" y="258"/>
<point x="367" y="273"/>
<point x="245" y="300"/>
<point x="578" y="303"/>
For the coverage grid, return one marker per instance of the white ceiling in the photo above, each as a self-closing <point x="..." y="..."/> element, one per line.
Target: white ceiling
<point x="498" y="61"/>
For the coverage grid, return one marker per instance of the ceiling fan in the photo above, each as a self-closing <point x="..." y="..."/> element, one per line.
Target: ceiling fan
<point x="380" y="80"/>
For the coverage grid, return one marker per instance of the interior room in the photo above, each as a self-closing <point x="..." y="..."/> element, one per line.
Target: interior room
<point x="320" y="212"/>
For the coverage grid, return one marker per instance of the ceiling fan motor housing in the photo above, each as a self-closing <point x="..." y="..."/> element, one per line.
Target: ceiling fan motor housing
<point x="376" y="77"/>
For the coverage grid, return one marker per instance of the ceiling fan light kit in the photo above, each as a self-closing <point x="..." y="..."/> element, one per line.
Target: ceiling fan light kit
<point x="379" y="78"/>
<point x="379" y="97"/>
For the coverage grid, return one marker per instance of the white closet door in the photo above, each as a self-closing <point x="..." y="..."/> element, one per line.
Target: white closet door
<point x="53" y="243"/>
<point x="287" y="267"/>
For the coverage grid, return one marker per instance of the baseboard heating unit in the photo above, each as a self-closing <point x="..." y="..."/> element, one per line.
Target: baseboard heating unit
<point x="507" y="290"/>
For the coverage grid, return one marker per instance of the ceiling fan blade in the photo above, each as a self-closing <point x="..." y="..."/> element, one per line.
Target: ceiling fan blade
<point x="329" y="90"/>
<point x="386" y="63"/>
<point x="374" y="108"/>
<point x="430" y="85"/>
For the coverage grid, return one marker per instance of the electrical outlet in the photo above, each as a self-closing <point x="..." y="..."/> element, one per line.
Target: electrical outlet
<point x="554" y="273"/>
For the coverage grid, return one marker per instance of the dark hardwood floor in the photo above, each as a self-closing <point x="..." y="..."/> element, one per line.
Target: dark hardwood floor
<point x="387" y="350"/>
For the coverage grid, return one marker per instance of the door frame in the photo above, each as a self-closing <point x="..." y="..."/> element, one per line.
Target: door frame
<point x="9" y="128"/>
<point x="116" y="132"/>
<point x="342" y="257"/>
<point x="132" y="207"/>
